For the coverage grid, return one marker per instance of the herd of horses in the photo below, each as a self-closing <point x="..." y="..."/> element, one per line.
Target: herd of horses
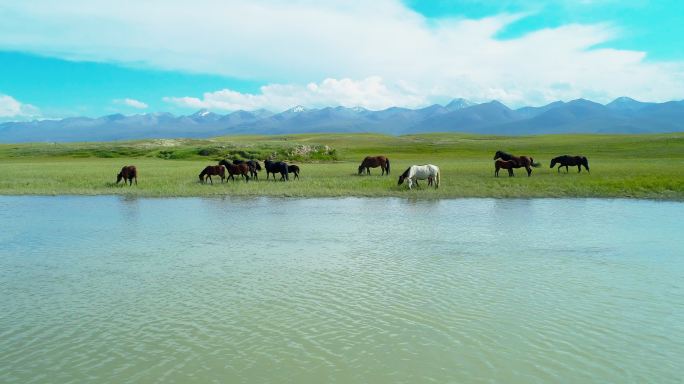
<point x="249" y="169"/>
<point x="509" y="162"/>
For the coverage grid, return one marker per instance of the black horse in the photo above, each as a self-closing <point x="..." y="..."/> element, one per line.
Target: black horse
<point x="276" y="167"/>
<point x="293" y="169"/>
<point x="567" y="160"/>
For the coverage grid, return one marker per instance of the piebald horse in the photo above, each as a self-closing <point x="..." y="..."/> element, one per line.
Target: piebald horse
<point x="420" y="172"/>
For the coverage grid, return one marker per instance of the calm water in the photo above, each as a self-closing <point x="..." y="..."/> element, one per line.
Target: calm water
<point x="105" y="289"/>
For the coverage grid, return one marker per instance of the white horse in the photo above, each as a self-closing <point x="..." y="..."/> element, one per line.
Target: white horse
<point x="420" y="172"/>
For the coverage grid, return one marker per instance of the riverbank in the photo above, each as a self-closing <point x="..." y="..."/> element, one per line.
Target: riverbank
<point x="627" y="166"/>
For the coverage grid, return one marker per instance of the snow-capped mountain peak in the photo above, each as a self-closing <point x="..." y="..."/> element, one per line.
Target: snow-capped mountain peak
<point x="297" y="109"/>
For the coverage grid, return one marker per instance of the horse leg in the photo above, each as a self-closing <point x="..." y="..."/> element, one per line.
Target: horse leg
<point x="529" y="170"/>
<point x="559" y="167"/>
<point x="496" y="172"/>
<point x="136" y="180"/>
<point x="210" y="180"/>
<point x="579" y="168"/>
<point x="566" y="169"/>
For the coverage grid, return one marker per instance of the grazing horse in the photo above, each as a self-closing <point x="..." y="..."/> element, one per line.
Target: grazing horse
<point x="520" y="161"/>
<point x="420" y="172"/>
<point x="276" y="167"/>
<point x="505" y="164"/>
<point x="128" y="173"/>
<point x="293" y="169"/>
<point x="374" y="162"/>
<point x="567" y="160"/>
<point x="212" y="170"/>
<point x="238" y="169"/>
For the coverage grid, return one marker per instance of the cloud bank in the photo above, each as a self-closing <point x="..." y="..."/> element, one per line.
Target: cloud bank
<point x="356" y="52"/>
<point x="133" y="103"/>
<point x="11" y="108"/>
<point x="369" y="93"/>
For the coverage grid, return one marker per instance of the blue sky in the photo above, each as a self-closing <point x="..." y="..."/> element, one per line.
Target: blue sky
<point x="92" y="58"/>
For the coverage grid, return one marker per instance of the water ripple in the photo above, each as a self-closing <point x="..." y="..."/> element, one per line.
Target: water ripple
<point x="300" y="291"/>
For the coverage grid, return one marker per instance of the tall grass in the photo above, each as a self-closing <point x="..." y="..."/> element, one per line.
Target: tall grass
<point x="641" y="166"/>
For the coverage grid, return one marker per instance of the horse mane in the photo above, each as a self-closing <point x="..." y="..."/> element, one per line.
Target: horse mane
<point x="406" y="172"/>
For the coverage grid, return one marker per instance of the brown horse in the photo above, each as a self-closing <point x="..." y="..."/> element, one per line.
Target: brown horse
<point x="238" y="169"/>
<point x="519" y="161"/>
<point x="374" y="162"/>
<point x="128" y="173"/>
<point x="505" y="164"/>
<point x="212" y="170"/>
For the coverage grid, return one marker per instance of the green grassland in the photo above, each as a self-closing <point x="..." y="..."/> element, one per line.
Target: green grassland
<point x="634" y="166"/>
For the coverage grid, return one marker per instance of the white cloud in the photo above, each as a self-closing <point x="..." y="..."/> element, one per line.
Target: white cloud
<point x="370" y="93"/>
<point x="132" y="103"/>
<point x="13" y="109"/>
<point x="294" y="42"/>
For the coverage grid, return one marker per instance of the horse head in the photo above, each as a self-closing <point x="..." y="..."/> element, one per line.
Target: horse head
<point x="119" y="176"/>
<point x="497" y="155"/>
<point x="553" y="162"/>
<point x="404" y="176"/>
<point x="360" y="169"/>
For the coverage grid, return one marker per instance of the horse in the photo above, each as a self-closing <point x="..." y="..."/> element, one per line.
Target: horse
<point x="293" y="169"/>
<point x="212" y="170"/>
<point x="276" y="167"/>
<point x="238" y="169"/>
<point x="254" y="167"/>
<point x="520" y="161"/>
<point x="374" y="162"/>
<point x="128" y="173"/>
<point x="420" y="172"/>
<point x="567" y="160"/>
<point x="505" y="164"/>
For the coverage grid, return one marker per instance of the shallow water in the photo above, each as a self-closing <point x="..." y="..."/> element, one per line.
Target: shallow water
<point x="108" y="289"/>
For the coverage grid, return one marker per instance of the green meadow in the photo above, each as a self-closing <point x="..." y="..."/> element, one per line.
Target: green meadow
<point x="632" y="166"/>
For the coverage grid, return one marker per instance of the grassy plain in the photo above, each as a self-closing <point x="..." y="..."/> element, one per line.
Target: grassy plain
<point x="634" y="166"/>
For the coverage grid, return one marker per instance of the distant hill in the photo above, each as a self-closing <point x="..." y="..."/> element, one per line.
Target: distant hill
<point x="623" y="115"/>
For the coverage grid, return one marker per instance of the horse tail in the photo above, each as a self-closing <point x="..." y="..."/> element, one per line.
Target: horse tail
<point x="532" y="163"/>
<point x="388" y="166"/>
<point x="438" y="177"/>
<point x="586" y="163"/>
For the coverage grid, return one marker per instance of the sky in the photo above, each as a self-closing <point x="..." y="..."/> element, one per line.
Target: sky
<point x="93" y="57"/>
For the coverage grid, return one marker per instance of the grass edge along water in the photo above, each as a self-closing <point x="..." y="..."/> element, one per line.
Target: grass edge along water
<point x="624" y="166"/>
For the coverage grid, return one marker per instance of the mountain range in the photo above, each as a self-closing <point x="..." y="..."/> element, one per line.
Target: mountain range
<point x="623" y="115"/>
